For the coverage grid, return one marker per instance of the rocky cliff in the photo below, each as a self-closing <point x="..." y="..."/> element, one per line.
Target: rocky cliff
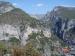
<point x="62" y="23"/>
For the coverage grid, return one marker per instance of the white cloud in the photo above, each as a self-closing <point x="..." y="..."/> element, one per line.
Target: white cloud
<point x="14" y="4"/>
<point x="67" y="5"/>
<point x="40" y="5"/>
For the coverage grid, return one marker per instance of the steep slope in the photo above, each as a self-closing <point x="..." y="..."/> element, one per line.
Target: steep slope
<point x="62" y="20"/>
<point x="16" y="23"/>
<point x="68" y="12"/>
<point x="16" y="16"/>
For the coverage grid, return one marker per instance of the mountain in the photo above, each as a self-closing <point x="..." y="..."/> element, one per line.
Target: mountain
<point x="37" y="16"/>
<point x="65" y="11"/>
<point x="5" y="7"/>
<point x="16" y="16"/>
<point x="62" y="23"/>
<point x="17" y="28"/>
<point x="14" y="22"/>
<point x="47" y="34"/>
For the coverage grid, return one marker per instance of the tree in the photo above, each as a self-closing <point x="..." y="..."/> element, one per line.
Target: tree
<point x="14" y="40"/>
<point x="27" y="50"/>
<point x="31" y="51"/>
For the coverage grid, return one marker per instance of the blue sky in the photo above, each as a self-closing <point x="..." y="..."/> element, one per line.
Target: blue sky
<point x="40" y="6"/>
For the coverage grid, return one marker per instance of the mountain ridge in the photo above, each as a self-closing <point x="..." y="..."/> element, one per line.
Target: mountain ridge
<point x="61" y="20"/>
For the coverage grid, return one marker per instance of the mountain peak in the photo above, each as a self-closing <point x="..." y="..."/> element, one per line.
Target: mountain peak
<point x="63" y="8"/>
<point x="5" y="7"/>
<point x="68" y="12"/>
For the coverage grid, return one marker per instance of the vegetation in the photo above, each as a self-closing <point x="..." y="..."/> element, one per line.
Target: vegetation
<point x="67" y="12"/>
<point x="31" y="51"/>
<point x="3" y="49"/>
<point x="18" y="16"/>
<point x="14" y="41"/>
<point x="27" y="50"/>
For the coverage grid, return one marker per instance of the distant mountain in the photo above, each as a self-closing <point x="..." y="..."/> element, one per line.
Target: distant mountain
<point x="37" y="16"/>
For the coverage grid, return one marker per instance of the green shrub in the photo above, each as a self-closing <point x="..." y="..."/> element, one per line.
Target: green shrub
<point x="14" y="40"/>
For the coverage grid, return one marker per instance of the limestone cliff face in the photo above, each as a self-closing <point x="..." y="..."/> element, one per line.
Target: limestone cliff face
<point x="62" y="22"/>
<point x="17" y="23"/>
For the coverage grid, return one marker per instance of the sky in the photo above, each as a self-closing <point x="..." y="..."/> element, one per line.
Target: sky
<point x="40" y="6"/>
